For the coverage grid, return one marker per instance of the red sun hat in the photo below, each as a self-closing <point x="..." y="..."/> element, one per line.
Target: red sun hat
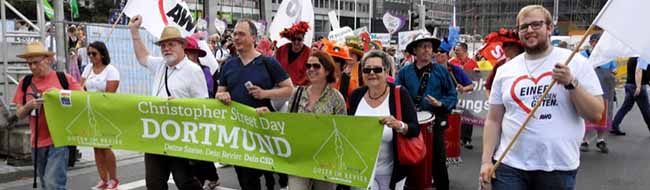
<point x="296" y="29"/>
<point x="191" y="44"/>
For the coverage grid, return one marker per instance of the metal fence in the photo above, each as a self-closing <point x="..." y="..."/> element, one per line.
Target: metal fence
<point x="134" y="79"/>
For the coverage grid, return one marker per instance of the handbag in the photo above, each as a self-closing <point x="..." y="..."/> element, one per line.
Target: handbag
<point x="409" y="150"/>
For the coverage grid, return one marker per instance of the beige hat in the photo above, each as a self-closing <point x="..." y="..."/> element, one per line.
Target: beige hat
<point x="170" y="33"/>
<point x="35" y="48"/>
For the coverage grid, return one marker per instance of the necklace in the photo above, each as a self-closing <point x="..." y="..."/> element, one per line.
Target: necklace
<point x="376" y="98"/>
<point x="530" y="73"/>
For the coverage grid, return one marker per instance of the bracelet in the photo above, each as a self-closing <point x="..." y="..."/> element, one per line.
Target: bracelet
<point x="403" y="129"/>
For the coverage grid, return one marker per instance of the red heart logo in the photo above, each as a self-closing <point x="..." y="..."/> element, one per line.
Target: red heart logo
<point x="521" y="78"/>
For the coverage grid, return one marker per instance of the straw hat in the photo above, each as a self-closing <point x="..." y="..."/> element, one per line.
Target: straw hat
<point x="170" y="33"/>
<point x="35" y="48"/>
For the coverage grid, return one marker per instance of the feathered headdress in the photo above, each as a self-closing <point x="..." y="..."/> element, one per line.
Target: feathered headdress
<point x="299" y="28"/>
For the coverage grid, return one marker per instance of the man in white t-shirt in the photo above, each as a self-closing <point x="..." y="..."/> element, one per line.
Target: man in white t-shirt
<point x="546" y="155"/>
<point x="175" y="77"/>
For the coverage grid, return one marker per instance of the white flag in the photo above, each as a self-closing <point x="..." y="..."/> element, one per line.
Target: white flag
<point x="289" y="13"/>
<point x="625" y="20"/>
<point x="608" y="49"/>
<point x="156" y="14"/>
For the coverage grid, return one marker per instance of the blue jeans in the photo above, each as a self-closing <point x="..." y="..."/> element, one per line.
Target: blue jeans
<point x="510" y="178"/>
<point x="52" y="166"/>
<point x="641" y="101"/>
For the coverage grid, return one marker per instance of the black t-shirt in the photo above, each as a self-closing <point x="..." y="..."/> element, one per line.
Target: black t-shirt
<point x="631" y="70"/>
<point x="420" y="71"/>
<point x="294" y="55"/>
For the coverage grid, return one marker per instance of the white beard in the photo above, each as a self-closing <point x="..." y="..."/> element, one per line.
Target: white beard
<point x="170" y="59"/>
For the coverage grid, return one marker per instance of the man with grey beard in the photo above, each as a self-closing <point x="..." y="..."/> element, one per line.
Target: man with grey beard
<point x="175" y="77"/>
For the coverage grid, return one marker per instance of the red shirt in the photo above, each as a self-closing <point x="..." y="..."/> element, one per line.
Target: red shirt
<point x="296" y="70"/>
<point x="50" y="81"/>
<point x="467" y="64"/>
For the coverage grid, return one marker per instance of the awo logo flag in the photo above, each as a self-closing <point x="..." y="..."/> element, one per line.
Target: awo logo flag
<point x="156" y="14"/>
<point x="65" y="98"/>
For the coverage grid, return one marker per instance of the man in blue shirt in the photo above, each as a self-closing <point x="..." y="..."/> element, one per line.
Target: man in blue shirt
<point x="607" y="77"/>
<point x="250" y="79"/>
<point x="432" y="90"/>
<point x="463" y="85"/>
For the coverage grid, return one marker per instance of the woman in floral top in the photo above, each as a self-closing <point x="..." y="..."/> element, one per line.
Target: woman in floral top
<point x="318" y="98"/>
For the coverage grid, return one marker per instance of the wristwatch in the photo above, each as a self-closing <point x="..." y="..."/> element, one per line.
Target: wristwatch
<point x="572" y="85"/>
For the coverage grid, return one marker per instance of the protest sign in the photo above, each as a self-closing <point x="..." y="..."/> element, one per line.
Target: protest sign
<point x="156" y="14"/>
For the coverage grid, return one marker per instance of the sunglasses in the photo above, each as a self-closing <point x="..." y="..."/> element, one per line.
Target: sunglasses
<point x="315" y="66"/>
<point x="92" y="54"/>
<point x="535" y="25"/>
<point x="375" y="70"/>
<point x="296" y="39"/>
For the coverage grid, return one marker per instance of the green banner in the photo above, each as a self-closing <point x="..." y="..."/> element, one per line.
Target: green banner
<point x="339" y="149"/>
<point x="74" y="8"/>
<point x="49" y="11"/>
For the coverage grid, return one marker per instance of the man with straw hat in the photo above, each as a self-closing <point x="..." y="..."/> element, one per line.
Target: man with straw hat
<point x="433" y="91"/>
<point x="546" y="154"/>
<point x="50" y="162"/>
<point x="175" y="76"/>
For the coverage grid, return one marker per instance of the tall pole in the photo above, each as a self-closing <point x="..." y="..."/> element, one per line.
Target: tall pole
<point x="60" y="36"/>
<point x="556" y="13"/>
<point x="210" y="9"/>
<point x="355" y="14"/>
<point x="338" y="10"/>
<point x="370" y="16"/>
<point x="40" y="17"/>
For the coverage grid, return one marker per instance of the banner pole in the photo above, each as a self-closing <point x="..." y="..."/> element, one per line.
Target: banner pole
<point x="539" y="102"/>
<point x="110" y="32"/>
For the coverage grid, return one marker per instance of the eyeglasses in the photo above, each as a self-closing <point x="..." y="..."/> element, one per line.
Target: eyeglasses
<point x="375" y="70"/>
<point x="296" y="39"/>
<point x="315" y="66"/>
<point x="34" y="62"/>
<point x="92" y="54"/>
<point x="536" y="25"/>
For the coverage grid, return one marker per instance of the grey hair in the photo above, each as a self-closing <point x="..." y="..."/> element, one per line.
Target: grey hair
<point x="385" y="60"/>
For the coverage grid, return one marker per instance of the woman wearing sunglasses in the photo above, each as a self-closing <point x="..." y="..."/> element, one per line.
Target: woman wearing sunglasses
<point x="318" y="98"/>
<point x="100" y="76"/>
<point x="377" y="98"/>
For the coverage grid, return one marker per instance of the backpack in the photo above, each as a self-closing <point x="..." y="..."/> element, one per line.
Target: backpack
<point x="28" y="81"/>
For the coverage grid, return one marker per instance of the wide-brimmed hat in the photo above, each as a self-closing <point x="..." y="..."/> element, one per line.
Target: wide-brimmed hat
<point x="35" y="48"/>
<point x="422" y="37"/>
<point x="191" y="44"/>
<point x="354" y="46"/>
<point x="299" y="28"/>
<point x="335" y="50"/>
<point x="170" y="33"/>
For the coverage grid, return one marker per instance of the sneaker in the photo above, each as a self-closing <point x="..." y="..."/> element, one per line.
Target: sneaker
<point x="101" y="185"/>
<point x="584" y="147"/>
<point x="210" y="185"/>
<point x="468" y="145"/>
<point x="603" y="147"/>
<point x="112" y="184"/>
<point x="617" y="132"/>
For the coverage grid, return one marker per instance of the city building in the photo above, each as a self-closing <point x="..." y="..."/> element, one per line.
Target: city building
<point x="484" y="16"/>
